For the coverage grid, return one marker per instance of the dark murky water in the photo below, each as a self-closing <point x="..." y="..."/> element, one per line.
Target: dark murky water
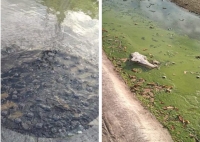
<point x="49" y="66"/>
<point x="48" y="94"/>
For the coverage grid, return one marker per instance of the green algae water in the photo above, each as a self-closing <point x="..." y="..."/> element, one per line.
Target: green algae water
<point x="166" y="33"/>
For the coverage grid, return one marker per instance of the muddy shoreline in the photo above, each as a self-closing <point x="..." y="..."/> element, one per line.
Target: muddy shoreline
<point x="192" y="5"/>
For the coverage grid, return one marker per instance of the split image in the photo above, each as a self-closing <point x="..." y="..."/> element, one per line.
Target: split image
<point x="100" y="71"/>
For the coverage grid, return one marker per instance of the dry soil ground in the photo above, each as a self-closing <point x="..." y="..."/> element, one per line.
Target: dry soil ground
<point x="191" y="5"/>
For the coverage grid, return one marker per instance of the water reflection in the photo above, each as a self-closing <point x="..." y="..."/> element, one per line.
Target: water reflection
<point x="59" y="7"/>
<point x="165" y="13"/>
<point x="171" y="16"/>
<point x="51" y="24"/>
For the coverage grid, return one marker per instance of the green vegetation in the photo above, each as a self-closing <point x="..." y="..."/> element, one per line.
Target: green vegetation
<point x="59" y="7"/>
<point x="174" y="100"/>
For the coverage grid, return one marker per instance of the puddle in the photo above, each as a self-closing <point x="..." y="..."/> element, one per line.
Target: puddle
<point x="165" y="33"/>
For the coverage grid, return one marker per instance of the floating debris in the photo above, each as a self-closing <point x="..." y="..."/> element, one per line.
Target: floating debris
<point x="197" y="57"/>
<point x="169" y="108"/>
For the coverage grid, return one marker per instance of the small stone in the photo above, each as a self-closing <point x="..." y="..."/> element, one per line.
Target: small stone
<point x="21" y="105"/>
<point x="94" y="76"/>
<point x="198" y="77"/>
<point x="30" y="114"/>
<point x="59" y="124"/>
<point x="38" y="99"/>
<point x="89" y="89"/>
<point x="67" y="58"/>
<point x="15" y="92"/>
<point x="14" y="97"/>
<point x="61" y="134"/>
<point x="16" y="74"/>
<point x="60" y="130"/>
<point x="4" y="113"/>
<point x="45" y="107"/>
<point x="53" y="130"/>
<point x="74" y="124"/>
<point x="70" y="134"/>
<point x="164" y="77"/>
<point x="39" y="125"/>
<point x="80" y="127"/>
<point x="17" y="120"/>
<point x="79" y="132"/>
<point x="55" y="117"/>
<point x="25" y="126"/>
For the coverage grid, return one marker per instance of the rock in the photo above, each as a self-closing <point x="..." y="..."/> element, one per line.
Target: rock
<point x="21" y="105"/>
<point x="139" y="58"/>
<point x="30" y="114"/>
<point x="45" y="107"/>
<point x="18" y="120"/>
<point x="89" y="89"/>
<point x="79" y="132"/>
<point x="39" y="99"/>
<point x="14" y="97"/>
<point x="164" y="77"/>
<point x="4" y="113"/>
<point x="198" y="77"/>
<point x="53" y="130"/>
<point x="39" y="125"/>
<point x="25" y="126"/>
<point x="70" y="134"/>
<point x="55" y="117"/>
<point x="15" y="92"/>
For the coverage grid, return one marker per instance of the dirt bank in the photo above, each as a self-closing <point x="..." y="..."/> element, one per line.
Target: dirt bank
<point x="191" y="5"/>
<point x="124" y="118"/>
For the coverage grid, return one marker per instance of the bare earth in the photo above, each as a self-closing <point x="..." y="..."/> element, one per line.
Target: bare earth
<point x="191" y="5"/>
<point x="124" y="118"/>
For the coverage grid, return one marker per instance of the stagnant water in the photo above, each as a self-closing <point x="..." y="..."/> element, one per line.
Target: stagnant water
<point x="42" y="24"/>
<point x="49" y="78"/>
<point x="169" y="34"/>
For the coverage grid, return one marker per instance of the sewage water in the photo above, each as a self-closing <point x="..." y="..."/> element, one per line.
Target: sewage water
<point x="169" y="34"/>
<point x="49" y="78"/>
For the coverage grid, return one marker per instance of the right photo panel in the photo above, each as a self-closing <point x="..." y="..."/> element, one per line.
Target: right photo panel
<point x="151" y="71"/>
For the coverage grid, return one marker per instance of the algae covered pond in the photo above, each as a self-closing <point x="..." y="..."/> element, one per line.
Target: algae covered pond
<point x="164" y="32"/>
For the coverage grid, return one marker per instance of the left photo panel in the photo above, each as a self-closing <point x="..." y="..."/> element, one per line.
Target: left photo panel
<point x="49" y="71"/>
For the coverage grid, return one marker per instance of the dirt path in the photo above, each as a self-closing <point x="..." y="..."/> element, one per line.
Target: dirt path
<point x="191" y="5"/>
<point x="124" y="119"/>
